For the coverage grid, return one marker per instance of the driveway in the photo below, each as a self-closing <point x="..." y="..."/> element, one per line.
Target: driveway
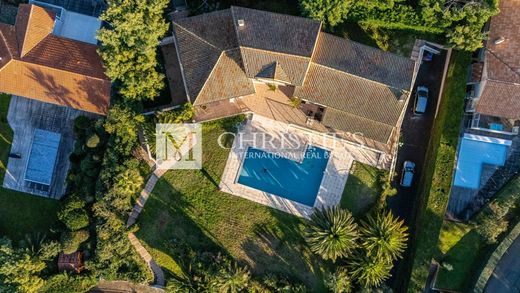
<point x="506" y="276"/>
<point x="415" y="136"/>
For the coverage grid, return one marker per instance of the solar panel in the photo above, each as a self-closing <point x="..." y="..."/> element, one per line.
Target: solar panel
<point x="44" y="151"/>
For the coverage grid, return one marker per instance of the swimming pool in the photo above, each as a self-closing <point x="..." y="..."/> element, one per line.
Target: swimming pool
<point x="474" y="151"/>
<point x="290" y="179"/>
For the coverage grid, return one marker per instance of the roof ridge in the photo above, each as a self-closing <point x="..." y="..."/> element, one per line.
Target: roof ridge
<point x="20" y="49"/>
<point x="209" y="76"/>
<point x="197" y="36"/>
<point x="504" y="82"/>
<point x="357" y="76"/>
<point x="274" y="52"/>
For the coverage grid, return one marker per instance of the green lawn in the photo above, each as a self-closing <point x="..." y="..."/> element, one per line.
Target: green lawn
<point x="436" y="181"/>
<point x="464" y="249"/>
<point x="186" y="206"/>
<point x="362" y="189"/>
<point x="461" y="246"/>
<point x="20" y="213"/>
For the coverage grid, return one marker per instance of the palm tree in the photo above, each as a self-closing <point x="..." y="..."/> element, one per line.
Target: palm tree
<point x="231" y="279"/>
<point x="384" y="236"/>
<point x="332" y="233"/>
<point x="339" y="281"/>
<point x="368" y="270"/>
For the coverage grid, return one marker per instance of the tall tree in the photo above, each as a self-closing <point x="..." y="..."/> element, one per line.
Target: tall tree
<point x="384" y="236"/>
<point x="463" y="20"/>
<point x="331" y="12"/>
<point x="332" y="233"/>
<point x="129" y="44"/>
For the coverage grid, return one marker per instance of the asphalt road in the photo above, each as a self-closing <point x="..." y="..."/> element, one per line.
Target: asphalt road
<point x="415" y="136"/>
<point x="506" y="277"/>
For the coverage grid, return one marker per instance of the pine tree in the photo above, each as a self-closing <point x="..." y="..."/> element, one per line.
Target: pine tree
<point x="129" y="44"/>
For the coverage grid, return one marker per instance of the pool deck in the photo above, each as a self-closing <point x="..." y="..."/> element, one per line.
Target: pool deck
<point x="341" y="158"/>
<point x="24" y="117"/>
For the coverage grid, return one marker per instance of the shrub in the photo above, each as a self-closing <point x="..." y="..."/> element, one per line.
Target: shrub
<point x="93" y="141"/>
<point x="82" y="123"/>
<point x="339" y="281"/>
<point x="491" y="228"/>
<point x="71" y="240"/>
<point x="73" y="214"/>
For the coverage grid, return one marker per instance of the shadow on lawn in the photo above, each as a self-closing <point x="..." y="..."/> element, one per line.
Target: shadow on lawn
<point x="166" y="227"/>
<point x="284" y="252"/>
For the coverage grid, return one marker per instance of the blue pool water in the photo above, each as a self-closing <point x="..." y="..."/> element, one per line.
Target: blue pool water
<point x="474" y="151"/>
<point x="44" y="151"/>
<point x="297" y="181"/>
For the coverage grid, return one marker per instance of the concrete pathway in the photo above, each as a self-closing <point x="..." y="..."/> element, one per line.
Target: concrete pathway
<point x="145" y="193"/>
<point x="145" y="255"/>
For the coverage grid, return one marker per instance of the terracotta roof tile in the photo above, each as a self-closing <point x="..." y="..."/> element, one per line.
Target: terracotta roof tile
<point x="501" y="79"/>
<point x="227" y="80"/>
<point x="361" y="60"/>
<point x="275" y="32"/>
<point x="33" y="24"/>
<point x="41" y="66"/>
<point x="294" y="67"/>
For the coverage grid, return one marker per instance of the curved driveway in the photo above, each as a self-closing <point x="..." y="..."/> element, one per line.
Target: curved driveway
<point x="506" y="276"/>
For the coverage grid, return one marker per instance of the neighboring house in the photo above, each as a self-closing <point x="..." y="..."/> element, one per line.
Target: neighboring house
<point x="494" y="88"/>
<point x="285" y="68"/>
<point x="38" y="62"/>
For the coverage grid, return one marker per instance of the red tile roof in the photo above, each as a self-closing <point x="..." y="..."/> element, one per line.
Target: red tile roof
<point x="500" y="96"/>
<point x="36" y="64"/>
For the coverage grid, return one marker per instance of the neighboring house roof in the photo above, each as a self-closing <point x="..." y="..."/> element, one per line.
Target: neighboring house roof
<point x="363" y="88"/>
<point x="501" y="78"/>
<point x="36" y="64"/>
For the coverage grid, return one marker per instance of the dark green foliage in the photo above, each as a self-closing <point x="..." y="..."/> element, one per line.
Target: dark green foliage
<point x="21" y="271"/>
<point x="71" y="240"/>
<point x="82" y="123"/>
<point x="339" y="281"/>
<point x="123" y="124"/>
<point x="73" y="214"/>
<point x="128" y="46"/>
<point x="69" y="283"/>
<point x="330" y="12"/>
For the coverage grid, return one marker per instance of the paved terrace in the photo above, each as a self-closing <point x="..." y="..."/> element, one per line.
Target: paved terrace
<point x="336" y="173"/>
<point x="277" y="105"/>
<point x="26" y="115"/>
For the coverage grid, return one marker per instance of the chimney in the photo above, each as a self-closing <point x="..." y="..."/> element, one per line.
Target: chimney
<point x="500" y="40"/>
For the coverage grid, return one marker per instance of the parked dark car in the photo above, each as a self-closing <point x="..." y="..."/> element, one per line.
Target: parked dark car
<point x="407" y="175"/>
<point x="421" y="100"/>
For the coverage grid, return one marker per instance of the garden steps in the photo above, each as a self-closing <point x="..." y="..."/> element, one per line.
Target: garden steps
<point x="145" y="255"/>
<point x="145" y="193"/>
